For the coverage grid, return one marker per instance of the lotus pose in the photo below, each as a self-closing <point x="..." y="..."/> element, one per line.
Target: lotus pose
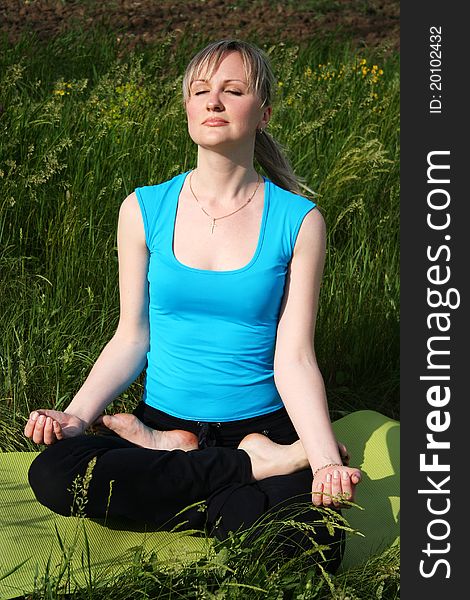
<point x="219" y="273"/>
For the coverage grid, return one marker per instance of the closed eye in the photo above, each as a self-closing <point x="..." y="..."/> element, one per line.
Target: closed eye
<point x="234" y="92"/>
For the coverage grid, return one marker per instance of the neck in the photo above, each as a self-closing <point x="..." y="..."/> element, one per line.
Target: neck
<point x="224" y="178"/>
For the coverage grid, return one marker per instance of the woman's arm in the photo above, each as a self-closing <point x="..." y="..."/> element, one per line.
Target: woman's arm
<point x="124" y="356"/>
<point x="296" y="373"/>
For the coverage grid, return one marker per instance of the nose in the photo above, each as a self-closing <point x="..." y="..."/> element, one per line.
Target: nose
<point x="214" y="101"/>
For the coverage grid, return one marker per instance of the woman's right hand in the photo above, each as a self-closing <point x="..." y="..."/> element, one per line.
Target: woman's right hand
<point x="50" y="426"/>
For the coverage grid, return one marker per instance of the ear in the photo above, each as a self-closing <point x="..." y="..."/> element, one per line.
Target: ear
<point x="267" y="112"/>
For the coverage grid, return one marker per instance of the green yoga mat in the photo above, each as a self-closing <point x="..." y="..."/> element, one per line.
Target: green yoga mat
<point x="373" y="441"/>
<point x="33" y="539"/>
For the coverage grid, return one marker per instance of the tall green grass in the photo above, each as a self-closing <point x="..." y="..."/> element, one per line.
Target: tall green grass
<point x="81" y="125"/>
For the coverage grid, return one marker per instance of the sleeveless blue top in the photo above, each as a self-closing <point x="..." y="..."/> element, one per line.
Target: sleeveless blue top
<point x="213" y="333"/>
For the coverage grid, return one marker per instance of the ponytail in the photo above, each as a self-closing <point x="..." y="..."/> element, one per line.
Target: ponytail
<point x="271" y="157"/>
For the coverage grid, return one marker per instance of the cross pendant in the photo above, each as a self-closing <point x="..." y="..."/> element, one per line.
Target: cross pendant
<point x="213" y="225"/>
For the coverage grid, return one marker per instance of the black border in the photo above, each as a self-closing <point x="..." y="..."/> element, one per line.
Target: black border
<point x="421" y="133"/>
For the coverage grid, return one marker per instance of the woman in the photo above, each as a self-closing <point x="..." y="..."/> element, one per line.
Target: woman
<point x="219" y="273"/>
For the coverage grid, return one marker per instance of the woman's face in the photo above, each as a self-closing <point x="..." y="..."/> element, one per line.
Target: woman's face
<point x="221" y="111"/>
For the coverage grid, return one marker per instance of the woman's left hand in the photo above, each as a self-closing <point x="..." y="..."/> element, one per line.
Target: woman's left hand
<point x="332" y="485"/>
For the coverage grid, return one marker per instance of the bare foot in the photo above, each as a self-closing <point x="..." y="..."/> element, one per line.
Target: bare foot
<point x="269" y="458"/>
<point x="130" y="428"/>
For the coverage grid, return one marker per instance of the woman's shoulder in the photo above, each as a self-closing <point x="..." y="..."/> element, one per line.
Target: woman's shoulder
<point x="290" y="208"/>
<point x="154" y="202"/>
<point x="152" y="189"/>
<point x="288" y="199"/>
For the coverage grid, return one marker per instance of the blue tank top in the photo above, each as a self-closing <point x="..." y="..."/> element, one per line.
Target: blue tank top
<point x="213" y="333"/>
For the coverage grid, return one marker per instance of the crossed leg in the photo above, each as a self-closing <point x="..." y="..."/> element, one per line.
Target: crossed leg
<point x="267" y="458"/>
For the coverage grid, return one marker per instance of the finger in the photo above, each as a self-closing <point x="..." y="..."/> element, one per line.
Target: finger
<point x="346" y="487"/>
<point x="327" y="499"/>
<point x="317" y="493"/>
<point x="38" y="433"/>
<point x="42" y="411"/>
<point x="49" y="437"/>
<point x="29" y="427"/>
<point x="344" y="453"/>
<point x="356" y="477"/>
<point x="336" y="488"/>
<point x="59" y="434"/>
<point x="48" y="412"/>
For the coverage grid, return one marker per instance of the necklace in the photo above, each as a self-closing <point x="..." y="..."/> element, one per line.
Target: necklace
<point x="214" y="219"/>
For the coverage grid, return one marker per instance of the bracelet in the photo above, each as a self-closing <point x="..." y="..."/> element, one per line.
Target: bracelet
<point x="325" y="466"/>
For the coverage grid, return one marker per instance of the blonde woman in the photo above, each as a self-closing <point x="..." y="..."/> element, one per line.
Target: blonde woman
<point x="220" y="272"/>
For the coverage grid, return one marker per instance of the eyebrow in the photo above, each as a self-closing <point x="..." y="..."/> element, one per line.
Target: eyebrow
<point x="225" y="81"/>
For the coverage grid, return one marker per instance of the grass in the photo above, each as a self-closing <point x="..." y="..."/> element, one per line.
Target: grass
<point x="82" y="126"/>
<point x="239" y="567"/>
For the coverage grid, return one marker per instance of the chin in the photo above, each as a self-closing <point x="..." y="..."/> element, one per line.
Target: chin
<point x="219" y="139"/>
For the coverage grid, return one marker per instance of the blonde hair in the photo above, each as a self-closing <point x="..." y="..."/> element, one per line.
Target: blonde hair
<point x="268" y="152"/>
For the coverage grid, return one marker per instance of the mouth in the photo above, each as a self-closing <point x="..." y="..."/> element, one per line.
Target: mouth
<point x="215" y="122"/>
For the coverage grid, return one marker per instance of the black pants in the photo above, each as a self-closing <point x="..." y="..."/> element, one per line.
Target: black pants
<point x="152" y="486"/>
